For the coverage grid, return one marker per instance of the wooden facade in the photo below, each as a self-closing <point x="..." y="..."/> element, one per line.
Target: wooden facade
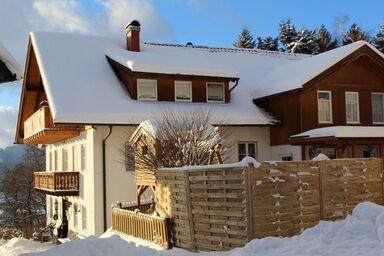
<point x="165" y="83"/>
<point x="34" y="103"/>
<point x="361" y="72"/>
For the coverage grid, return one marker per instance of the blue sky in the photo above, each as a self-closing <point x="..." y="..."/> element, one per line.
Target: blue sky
<point x="204" y="22"/>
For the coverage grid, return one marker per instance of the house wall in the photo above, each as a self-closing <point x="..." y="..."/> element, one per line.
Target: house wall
<point x="298" y="109"/>
<point x="362" y="76"/>
<point x="120" y="183"/>
<point x="232" y="135"/>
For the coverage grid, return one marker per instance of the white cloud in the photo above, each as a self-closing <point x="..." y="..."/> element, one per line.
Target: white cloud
<point x="19" y="17"/>
<point x="61" y="14"/>
<point x="120" y="12"/>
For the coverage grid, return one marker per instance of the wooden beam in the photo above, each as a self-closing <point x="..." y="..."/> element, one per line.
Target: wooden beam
<point x="302" y="152"/>
<point x="353" y="146"/>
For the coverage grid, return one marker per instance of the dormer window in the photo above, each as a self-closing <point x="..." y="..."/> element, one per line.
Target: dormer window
<point x="183" y="91"/>
<point x="146" y="89"/>
<point x="215" y="92"/>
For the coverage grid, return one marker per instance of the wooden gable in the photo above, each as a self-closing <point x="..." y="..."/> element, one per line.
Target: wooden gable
<point x="362" y="72"/>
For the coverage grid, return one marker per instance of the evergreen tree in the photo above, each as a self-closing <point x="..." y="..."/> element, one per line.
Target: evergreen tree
<point x="287" y="34"/>
<point x="325" y="41"/>
<point x="378" y="42"/>
<point x="354" y="34"/>
<point x="269" y="43"/>
<point x="245" y="39"/>
<point x="304" y="42"/>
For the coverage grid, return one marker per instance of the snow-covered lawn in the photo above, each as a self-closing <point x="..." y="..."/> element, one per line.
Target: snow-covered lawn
<point x="361" y="233"/>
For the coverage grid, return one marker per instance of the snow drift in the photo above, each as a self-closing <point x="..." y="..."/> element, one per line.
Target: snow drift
<point x="361" y="233"/>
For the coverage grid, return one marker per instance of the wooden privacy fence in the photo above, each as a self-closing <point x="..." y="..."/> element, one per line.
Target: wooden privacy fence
<point x="151" y="228"/>
<point x="222" y="207"/>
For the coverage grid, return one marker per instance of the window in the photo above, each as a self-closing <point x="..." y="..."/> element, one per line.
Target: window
<point x="352" y="107"/>
<point x="83" y="158"/>
<point x="65" y="160"/>
<point x="378" y="108"/>
<point x="84" y="217"/>
<point x="56" y="160"/>
<point x="146" y="89"/>
<point x="183" y="91"/>
<point x="286" y="157"/>
<point x="215" y="92"/>
<point x="324" y="106"/>
<point x="247" y="149"/>
<point x="75" y="218"/>
<point x="129" y="157"/>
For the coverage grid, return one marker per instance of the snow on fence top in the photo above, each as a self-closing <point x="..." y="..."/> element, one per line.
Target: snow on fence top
<point x="243" y="163"/>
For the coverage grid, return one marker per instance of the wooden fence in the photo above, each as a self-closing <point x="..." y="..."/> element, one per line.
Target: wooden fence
<point x="144" y="226"/>
<point x="214" y="209"/>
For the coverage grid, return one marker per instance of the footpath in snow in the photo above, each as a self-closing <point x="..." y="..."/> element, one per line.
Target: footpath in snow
<point x="361" y="233"/>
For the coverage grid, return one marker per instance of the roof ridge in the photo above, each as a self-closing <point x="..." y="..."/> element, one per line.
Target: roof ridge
<point x="230" y="49"/>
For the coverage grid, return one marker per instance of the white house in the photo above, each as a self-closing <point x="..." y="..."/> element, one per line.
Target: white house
<point x="84" y="96"/>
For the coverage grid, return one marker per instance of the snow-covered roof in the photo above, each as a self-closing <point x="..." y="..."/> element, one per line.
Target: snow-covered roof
<point x="81" y="87"/>
<point x="343" y="132"/>
<point x="294" y="75"/>
<point x="10" y="62"/>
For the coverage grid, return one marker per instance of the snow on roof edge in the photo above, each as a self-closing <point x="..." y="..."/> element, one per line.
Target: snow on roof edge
<point x="10" y="62"/>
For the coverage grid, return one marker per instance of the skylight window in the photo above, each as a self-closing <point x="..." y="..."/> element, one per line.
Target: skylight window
<point x="146" y="89"/>
<point x="215" y="92"/>
<point x="183" y="91"/>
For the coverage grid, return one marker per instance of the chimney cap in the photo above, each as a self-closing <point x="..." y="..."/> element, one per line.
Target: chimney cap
<point x="189" y="44"/>
<point x="134" y="23"/>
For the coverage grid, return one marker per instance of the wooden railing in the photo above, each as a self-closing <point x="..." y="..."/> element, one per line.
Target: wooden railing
<point x="40" y="129"/>
<point x="144" y="226"/>
<point x="63" y="183"/>
<point x="36" y="123"/>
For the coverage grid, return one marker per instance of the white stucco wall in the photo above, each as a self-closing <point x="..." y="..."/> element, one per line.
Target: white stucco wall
<point x="284" y="150"/>
<point x="232" y="135"/>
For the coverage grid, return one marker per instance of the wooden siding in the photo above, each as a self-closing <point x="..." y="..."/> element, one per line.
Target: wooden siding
<point x="297" y="110"/>
<point x="165" y="83"/>
<point x="215" y="209"/>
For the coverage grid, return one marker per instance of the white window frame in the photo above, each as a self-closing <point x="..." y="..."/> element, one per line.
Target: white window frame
<point x="183" y="83"/>
<point x="56" y="164"/>
<point x="382" y="95"/>
<point x="330" y="108"/>
<point x="75" y="218"/>
<point x="138" y="88"/>
<point x="206" y="91"/>
<point x="358" y="108"/>
<point x="246" y="149"/>
<point x="65" y="159"/>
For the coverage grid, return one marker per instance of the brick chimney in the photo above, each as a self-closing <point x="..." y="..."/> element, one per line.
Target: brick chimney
<point x="133" y="36"/>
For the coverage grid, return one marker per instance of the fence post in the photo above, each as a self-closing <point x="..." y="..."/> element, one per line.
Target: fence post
<point x="189" y="208"/>
<point x="168" y="224"/>
<point x="321" y="190"/>
<point x="249" y="205"/>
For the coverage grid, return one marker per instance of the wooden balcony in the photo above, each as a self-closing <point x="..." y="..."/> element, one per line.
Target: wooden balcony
<point x="39" y="129"/>
<point x="57" y="183"/>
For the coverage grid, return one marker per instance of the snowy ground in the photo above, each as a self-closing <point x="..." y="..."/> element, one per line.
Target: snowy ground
<point x="362" y="233"/>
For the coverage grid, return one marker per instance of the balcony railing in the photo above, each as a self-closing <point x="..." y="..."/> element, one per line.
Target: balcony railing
<point x="39" y="129"/>
<point x="57" y="183"/>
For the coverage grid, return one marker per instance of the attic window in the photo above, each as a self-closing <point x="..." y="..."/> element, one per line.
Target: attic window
<point x="215" y="92"/>
<point x="146" y="89"/>
<point x="183" y="91"/>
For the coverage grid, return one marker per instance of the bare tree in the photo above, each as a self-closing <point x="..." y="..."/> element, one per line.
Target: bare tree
<point x="174" y="140"/>
<point x="22" y="207"/>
